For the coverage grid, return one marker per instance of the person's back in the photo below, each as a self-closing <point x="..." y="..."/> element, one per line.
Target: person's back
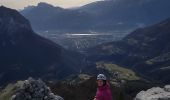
<point x="103" y="90"/>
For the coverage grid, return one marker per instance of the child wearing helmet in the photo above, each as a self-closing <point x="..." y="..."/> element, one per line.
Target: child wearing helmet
<point x="103" y="90"/>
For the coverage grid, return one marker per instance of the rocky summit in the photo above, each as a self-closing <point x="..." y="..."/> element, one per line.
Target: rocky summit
<point x="155" y="93"/>
<point x="34" y="90"/>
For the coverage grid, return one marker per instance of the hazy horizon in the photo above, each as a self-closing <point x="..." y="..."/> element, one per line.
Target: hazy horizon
<point x="20" y="4"/>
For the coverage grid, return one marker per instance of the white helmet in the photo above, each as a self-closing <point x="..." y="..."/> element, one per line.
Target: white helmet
<point x="101" y="77"/>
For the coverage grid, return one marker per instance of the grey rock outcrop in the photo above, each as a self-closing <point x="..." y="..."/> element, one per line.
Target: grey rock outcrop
<point x="34" y="90"/>
<point x="155" y="93"/>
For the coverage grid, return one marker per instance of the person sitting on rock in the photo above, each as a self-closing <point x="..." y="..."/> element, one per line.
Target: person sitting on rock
<point x="103" y="90"/>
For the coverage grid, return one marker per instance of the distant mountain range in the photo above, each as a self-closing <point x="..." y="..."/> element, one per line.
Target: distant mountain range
<point x="107" y="15"/>
<point x="146" y="50"/>
<point x="47" y="17"/>
<point x="23" y="53"/>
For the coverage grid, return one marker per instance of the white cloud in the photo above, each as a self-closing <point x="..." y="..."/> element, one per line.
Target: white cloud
<point x="19" y="4"/>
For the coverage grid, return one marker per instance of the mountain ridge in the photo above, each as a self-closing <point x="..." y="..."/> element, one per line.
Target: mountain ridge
<point x="112" y="18"/>
<point x="145" y="50"/>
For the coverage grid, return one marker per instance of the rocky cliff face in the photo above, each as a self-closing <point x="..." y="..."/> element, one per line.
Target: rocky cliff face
<point x="34" y="90"/>
<point x="155" y="93"/>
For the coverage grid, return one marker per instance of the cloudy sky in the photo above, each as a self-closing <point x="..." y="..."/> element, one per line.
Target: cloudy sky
<point x="20" y="4"/>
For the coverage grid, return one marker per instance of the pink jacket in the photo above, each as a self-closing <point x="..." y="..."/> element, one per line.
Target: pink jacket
<point x="103" y="93"/>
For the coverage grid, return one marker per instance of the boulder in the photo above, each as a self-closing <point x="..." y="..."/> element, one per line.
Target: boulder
<point x="32" y="89"/>
<point x="155" y="93"/>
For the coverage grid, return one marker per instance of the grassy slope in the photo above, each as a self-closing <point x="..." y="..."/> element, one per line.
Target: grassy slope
<point x="9" y="90"/>
<point x="124" y="73"/>
<point x="6" y="93"/>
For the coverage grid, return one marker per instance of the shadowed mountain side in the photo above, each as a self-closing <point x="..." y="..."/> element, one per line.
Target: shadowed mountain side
<point x="24" y="53"/>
